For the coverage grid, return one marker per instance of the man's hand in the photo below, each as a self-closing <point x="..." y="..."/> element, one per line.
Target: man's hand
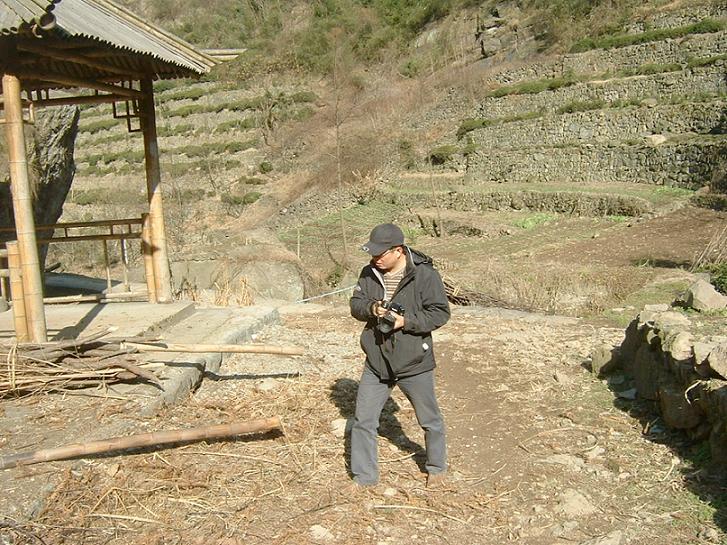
<point x="377" y="310"/>
<point x="399" y="323"/>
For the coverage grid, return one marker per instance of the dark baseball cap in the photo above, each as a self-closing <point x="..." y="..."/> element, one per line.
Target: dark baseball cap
<point x="383" y="237"/>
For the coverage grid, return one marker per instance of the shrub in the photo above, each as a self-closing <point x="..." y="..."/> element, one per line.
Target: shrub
<point x="265" y="167"/>
<point x="100" y="125"/>
<point x="304" y="96"/>
<point x="409" y="68"/>
<point x="472" y="124"/>
<point x="718" y="272"/>
<point x="581" y="106"/>
<point x="251" y="197"/>
<point x="442" y="154"/>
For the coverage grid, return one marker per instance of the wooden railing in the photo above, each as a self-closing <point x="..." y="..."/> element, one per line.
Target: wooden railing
<point x="122" y="230"/>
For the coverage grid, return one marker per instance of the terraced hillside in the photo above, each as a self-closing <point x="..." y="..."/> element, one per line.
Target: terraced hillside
<point x="621" y="130"/>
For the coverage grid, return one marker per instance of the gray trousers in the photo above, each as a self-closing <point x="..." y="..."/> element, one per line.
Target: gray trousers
<point x="370" y="400"/>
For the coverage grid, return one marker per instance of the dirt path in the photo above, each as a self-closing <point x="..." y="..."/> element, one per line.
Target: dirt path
<point x="541" y="453"/>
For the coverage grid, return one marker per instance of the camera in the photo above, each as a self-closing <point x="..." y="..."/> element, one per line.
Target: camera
<point x="387" y="322"/>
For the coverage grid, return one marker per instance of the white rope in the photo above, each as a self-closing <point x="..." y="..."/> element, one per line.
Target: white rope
<point x="325" y="294"/>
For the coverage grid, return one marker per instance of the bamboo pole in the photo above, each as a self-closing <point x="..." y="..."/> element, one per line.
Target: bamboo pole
<point x="23" y="209"/>
<point x="163" y="346"/>
<point x="147" y="255"/>
<point x="16" y="293"/>
<point x="140" y="440"/>
<point x="162" y="276"/>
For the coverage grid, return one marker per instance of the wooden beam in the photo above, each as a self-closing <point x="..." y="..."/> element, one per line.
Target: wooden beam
<point x="160" y="258"/>
<point x="82" y="99"/>
<point x="78" y="82"/>
<point x="23" y="209"/>
<point x="65" y="55"/>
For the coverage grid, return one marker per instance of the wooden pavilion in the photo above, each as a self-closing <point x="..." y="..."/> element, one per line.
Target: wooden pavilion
<point x="58" y="52"/>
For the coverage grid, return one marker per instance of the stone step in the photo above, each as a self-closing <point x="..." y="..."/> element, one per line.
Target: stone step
<point x="704" y="81"/>
<point x="687" y="163"/>
<point x="604" y="125"/>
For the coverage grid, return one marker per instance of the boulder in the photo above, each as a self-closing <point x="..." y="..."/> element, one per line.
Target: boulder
<point x="702" y="296"/>
<point x="646" y="371"/>
<point x="604" y="360"/>
<point x="717" y="359"/>
<point x="675" y="409"/>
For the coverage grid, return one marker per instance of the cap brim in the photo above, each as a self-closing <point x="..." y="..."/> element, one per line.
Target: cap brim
<point x="373" y="248"/>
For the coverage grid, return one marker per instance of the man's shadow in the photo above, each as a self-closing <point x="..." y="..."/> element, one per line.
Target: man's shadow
<point x="343" y="394"/>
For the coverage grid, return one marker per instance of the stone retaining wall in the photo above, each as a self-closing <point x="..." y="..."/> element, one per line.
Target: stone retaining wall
<point x="605" y="125"/>
<point x="598" y="61"/>
<point x="676" y="19"/>
<point x="694" y="82"/>
<point x="686" y="164"/>
<point x="582" y="204"/>
<point x="672" y="364"/>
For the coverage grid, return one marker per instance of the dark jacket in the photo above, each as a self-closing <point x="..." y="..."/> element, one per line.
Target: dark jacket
<point x="407" y="351"/>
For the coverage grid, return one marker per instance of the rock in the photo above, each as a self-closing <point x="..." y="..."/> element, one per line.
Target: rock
<point x="390" y="492"/>
<point x="266" y="385"/>
<point x="646" y="372"/>
<point x="655" y="140"/>
<point x="717" y="360"/>
<point x="562" y="378"/>
<point x="339" y="426"/>
<point x="320" y="533"/>
<point x="604" y="359"/>
<point x="718" y="444"/>
<point x="679" y="345"/>
<point x="613" y="538"/>
<point x="629" y="394"/>
<point x="701" y="353"/>
<point x="575" y="504"/>
<point x="568" y="460"/>
<point x="709" y="534"/>
<point x="675" y="410"/>
<point x="702" y="296"/>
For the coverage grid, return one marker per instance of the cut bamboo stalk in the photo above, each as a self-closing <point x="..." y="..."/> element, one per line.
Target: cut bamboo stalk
<point x="140" y="440"/>
<point x="148" y="259"/>
<point x="16" y="293"/>
<point x="205" y="348"/>
<point x="160" y="259"/>
<point x="23" y="209"/>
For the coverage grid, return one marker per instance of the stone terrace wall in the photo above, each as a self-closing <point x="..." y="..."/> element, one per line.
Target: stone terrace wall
<point x="695" y="82"/>
<point x="687" y="164"/>
<point x="681" y="370"/>
<point x="676" y="19"/>
<point x="605" y="125"/>
<point x="598" y="61"/>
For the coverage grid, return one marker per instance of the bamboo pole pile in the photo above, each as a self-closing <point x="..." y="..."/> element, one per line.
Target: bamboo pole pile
<point x="63" y="365"/>
<point x="96" y="359"/>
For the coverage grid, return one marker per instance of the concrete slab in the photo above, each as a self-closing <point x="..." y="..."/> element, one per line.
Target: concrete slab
<point x="68" y="321"/>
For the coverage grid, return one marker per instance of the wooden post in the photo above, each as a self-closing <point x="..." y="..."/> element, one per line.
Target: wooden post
<point x="23" y="209"/>
<point x="160" y="258"/>
<point x="147" y="256"/>
<point x="16" y="293"/>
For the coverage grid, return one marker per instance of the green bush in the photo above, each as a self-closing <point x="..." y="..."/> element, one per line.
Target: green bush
<point x="304" y="96"/>
<point x="533" y="87"/>
<point x="581" y="106"/>
<point x="442" y="154"/>
<point x="100" y="125"/>
<point x="471" y="124"/>
<point x="718" y="275"/>
<point x="265" y="167"/>
<point x="410" y="68"/>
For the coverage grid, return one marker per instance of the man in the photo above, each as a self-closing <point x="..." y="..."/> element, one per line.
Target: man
<point x="398" y="347"/>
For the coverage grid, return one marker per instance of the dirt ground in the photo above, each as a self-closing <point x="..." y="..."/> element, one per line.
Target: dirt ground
<point x="541" y="452"/>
